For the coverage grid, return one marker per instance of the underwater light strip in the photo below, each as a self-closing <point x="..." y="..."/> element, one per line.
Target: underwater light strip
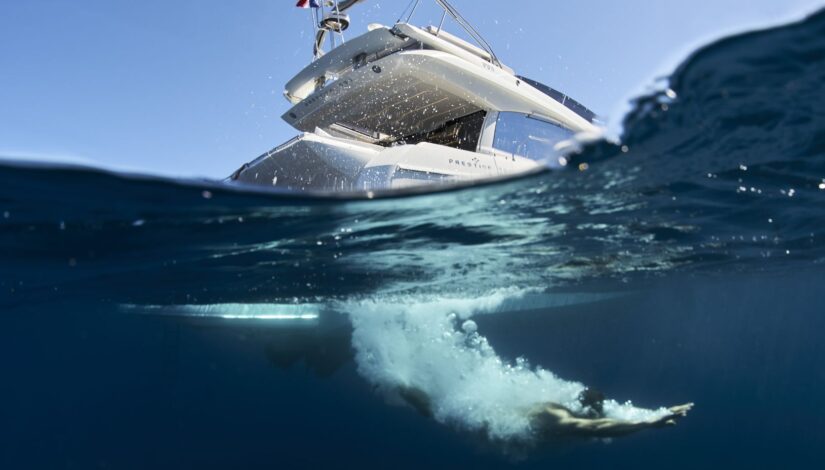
<point x="273" y="316"/>
<point x="236" y="311"/>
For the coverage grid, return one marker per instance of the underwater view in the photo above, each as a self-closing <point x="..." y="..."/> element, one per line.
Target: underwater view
<point x="655" y="302"/>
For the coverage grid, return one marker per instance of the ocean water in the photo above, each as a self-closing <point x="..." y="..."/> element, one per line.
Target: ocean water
<point x="156" y="323"/>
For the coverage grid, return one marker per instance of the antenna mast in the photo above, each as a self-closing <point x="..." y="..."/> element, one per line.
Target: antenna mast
<point x="336" y="21"/>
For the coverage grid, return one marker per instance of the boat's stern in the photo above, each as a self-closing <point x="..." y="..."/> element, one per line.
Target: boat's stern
<point x="310" y="162"/>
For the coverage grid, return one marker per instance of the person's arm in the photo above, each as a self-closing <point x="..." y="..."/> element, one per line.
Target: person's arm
<point x="553" y="419"/>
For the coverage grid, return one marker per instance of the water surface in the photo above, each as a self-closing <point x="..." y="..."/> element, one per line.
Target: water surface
<point x="151" y="322"/>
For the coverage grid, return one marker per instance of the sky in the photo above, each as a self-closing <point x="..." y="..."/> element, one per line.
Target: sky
<point x="194" y="87"/>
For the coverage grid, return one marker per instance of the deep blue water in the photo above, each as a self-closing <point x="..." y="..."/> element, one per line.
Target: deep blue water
<point x="150" y="323"/>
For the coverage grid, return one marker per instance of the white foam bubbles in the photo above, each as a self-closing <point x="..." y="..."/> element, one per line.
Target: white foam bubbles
<point x="469" y="327"/>
<point x="432" y="346"/>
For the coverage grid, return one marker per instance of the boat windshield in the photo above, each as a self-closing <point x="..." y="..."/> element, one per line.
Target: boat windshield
<point x="529" y="136"/>
<point x="567" y="101"/>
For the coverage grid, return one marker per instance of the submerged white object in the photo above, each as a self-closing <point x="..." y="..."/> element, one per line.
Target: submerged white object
<point x="405" y="106"/>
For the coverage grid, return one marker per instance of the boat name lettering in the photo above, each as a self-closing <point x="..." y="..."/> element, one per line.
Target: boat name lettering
<point x="471" y="164"/>
<point x="345" y="82"/>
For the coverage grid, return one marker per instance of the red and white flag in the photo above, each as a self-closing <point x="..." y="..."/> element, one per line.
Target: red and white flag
<point x="308" y="4"/>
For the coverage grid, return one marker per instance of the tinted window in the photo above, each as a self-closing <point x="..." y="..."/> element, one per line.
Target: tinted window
<point x="462" y="133"/>
<point x="528" y="136"/>
<point x="567" y="101"/>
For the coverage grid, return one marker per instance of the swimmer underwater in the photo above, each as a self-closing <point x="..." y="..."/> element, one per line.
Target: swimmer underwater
<point x="552" y="420"/>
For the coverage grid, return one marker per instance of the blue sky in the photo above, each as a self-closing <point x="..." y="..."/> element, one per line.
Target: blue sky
<point x="193" y="87"/>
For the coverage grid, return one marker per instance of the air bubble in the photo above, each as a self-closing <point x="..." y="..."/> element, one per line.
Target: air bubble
<point x="469" y="327"/>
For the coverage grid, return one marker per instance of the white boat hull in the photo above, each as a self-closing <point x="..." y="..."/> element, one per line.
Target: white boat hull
<point x="315" y="162"/>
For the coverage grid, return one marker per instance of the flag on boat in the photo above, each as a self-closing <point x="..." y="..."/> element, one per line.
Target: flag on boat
<point x="308" y="4"/>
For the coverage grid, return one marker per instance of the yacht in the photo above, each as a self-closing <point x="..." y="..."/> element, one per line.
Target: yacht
<point x="404" y="106"/>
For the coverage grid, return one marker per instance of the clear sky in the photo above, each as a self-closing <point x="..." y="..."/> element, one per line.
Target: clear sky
<point x="193" y="87"/>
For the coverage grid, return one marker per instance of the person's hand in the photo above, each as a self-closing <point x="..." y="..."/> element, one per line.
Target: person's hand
<point x="676" y="412"/>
